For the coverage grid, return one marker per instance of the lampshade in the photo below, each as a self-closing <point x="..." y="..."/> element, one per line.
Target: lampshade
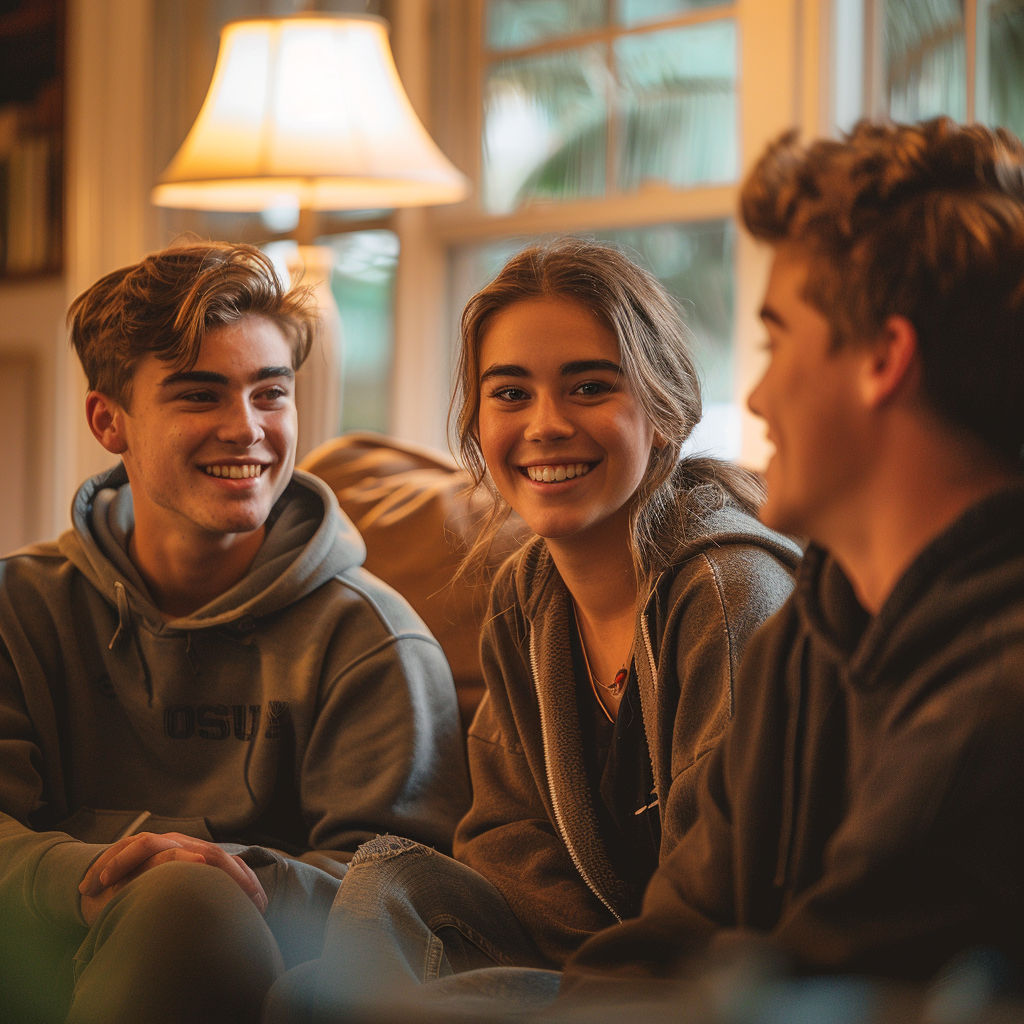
<point x="307" y="111"/>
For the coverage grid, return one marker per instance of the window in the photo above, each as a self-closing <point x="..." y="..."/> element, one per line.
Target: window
<point x="576" y="107"/>
<point x="363" y="264"/>
<point x="363" y="284"/>
<point x="922" y="58"/>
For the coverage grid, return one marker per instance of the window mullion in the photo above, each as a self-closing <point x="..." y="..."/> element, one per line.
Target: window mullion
<point x="611" y="172"/>
<point x="876" y="92"/>
<point x="654" y="204"/>
<point x="970" y="42"/>
<point x="980" y="78"/>
<point x="475" y="108"/>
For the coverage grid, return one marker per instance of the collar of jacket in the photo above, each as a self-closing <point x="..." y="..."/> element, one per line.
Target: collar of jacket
<point x="315" y="545"/>
<point x="975" y="563"/>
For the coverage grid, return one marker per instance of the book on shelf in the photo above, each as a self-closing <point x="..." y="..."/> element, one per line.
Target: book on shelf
<point x="31" y="185"/>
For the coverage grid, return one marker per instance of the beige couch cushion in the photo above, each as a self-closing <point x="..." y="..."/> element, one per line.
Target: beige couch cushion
<point x="409" y="504"/>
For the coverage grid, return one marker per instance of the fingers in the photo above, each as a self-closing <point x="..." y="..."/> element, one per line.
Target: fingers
<point x="92" y="904"/>
<point x="129" y="857"/>
<point x="124" y="856"/>
<point x="233" y="866"/>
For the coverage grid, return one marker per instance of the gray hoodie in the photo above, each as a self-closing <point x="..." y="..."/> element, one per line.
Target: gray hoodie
<point x="306" y="709"/>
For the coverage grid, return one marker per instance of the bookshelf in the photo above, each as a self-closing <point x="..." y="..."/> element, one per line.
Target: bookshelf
<point x="31" y="138"/>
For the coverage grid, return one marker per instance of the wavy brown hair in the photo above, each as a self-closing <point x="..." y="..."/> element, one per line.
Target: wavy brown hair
<point x="924" y="221"/>
<point x="656" y="359"/>
<point x="166" y="303"/>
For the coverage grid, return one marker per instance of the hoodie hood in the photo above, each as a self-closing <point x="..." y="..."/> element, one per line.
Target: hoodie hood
<point x="308" y="541"/>
<point x="728" y="525"/>
<point x="969" y="572"/>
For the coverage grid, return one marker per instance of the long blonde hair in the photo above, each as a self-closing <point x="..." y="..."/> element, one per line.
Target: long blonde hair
<point x="654" y="351"/>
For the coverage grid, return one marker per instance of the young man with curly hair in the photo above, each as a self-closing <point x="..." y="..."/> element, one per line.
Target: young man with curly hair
<point x="864" y="810"/>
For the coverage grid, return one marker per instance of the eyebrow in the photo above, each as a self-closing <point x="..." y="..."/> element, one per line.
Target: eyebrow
<point x="589" y="366"/>
<point x="209" y="377"/>
<point x="566" y="369"/>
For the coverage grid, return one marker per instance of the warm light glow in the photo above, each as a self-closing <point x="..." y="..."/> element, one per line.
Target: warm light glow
<point x="308" y="110"/>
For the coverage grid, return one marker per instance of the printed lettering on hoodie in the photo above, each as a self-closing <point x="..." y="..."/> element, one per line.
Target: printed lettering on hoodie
<point x="223" y="721"/>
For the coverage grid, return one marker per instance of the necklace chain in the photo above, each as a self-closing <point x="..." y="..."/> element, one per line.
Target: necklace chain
<point x="618" y="684"/>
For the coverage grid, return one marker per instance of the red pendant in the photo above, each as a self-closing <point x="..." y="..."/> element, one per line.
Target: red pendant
<point x="619" y="682"/>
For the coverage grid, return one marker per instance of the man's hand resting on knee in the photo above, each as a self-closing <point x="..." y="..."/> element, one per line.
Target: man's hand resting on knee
<point x="130" y="857"/>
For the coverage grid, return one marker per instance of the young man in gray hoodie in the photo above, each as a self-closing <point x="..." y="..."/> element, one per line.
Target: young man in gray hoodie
<point x="205" y="703"/>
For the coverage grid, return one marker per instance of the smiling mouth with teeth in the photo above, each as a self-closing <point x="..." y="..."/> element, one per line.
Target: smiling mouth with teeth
<point x="236" y="472"/>
<point x="555" y="474"/>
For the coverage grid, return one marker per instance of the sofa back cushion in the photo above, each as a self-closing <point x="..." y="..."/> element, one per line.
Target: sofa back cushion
<point x="411" y="507"/>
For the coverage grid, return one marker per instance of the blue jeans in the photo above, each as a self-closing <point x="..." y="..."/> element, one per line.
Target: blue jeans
<point x="410" y="926"/>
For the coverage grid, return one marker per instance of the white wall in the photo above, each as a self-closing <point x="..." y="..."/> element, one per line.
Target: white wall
<point x="109" y="222"/>
<point x="31" y="340"/>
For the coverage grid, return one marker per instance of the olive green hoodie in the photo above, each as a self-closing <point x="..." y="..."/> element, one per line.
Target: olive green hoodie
<point x="306" y="709"/>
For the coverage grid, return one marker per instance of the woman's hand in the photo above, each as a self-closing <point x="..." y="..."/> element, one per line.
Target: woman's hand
<point x="130" y="857"/>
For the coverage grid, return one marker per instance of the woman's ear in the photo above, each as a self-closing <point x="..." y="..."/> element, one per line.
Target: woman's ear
<point x="106" y="420"/>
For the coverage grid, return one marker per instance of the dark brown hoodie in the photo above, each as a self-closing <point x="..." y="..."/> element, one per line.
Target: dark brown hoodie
<point x="865" y="809"/>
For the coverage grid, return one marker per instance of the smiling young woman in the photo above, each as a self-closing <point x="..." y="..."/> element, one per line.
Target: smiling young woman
<point x="612" y="639"/>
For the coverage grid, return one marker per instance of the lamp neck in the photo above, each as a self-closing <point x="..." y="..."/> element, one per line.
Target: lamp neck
<point x="308" y="227"/>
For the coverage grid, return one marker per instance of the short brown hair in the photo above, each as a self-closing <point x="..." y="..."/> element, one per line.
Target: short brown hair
<point x="166" y="303"/>
<point x="925" y="221"/>
<point x="656" y="358"/>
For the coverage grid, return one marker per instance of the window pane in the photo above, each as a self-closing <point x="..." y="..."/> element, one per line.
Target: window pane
<point x="512" y="23"/>
<point x="695" y="263"/>
<point x="545" y="128"/>
<point x="637" y="12"/>
<point x="363" y="286"/>
<point x="678" y="104"/>
<point x="1006" y="65"/>
<point x="926" y="59"/>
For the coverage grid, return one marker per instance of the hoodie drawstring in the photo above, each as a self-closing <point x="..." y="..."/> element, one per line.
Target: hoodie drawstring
<point x="791" y="776"/>
<point x="123" y="613"/>
<point x="193" y="661"/>
<point x="124" y="625"/>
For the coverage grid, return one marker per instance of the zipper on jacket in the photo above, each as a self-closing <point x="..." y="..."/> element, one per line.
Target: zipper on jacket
<point x="646" y="634"/>
<point x="650" y="650"/>
<point x="559" y="819"/>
